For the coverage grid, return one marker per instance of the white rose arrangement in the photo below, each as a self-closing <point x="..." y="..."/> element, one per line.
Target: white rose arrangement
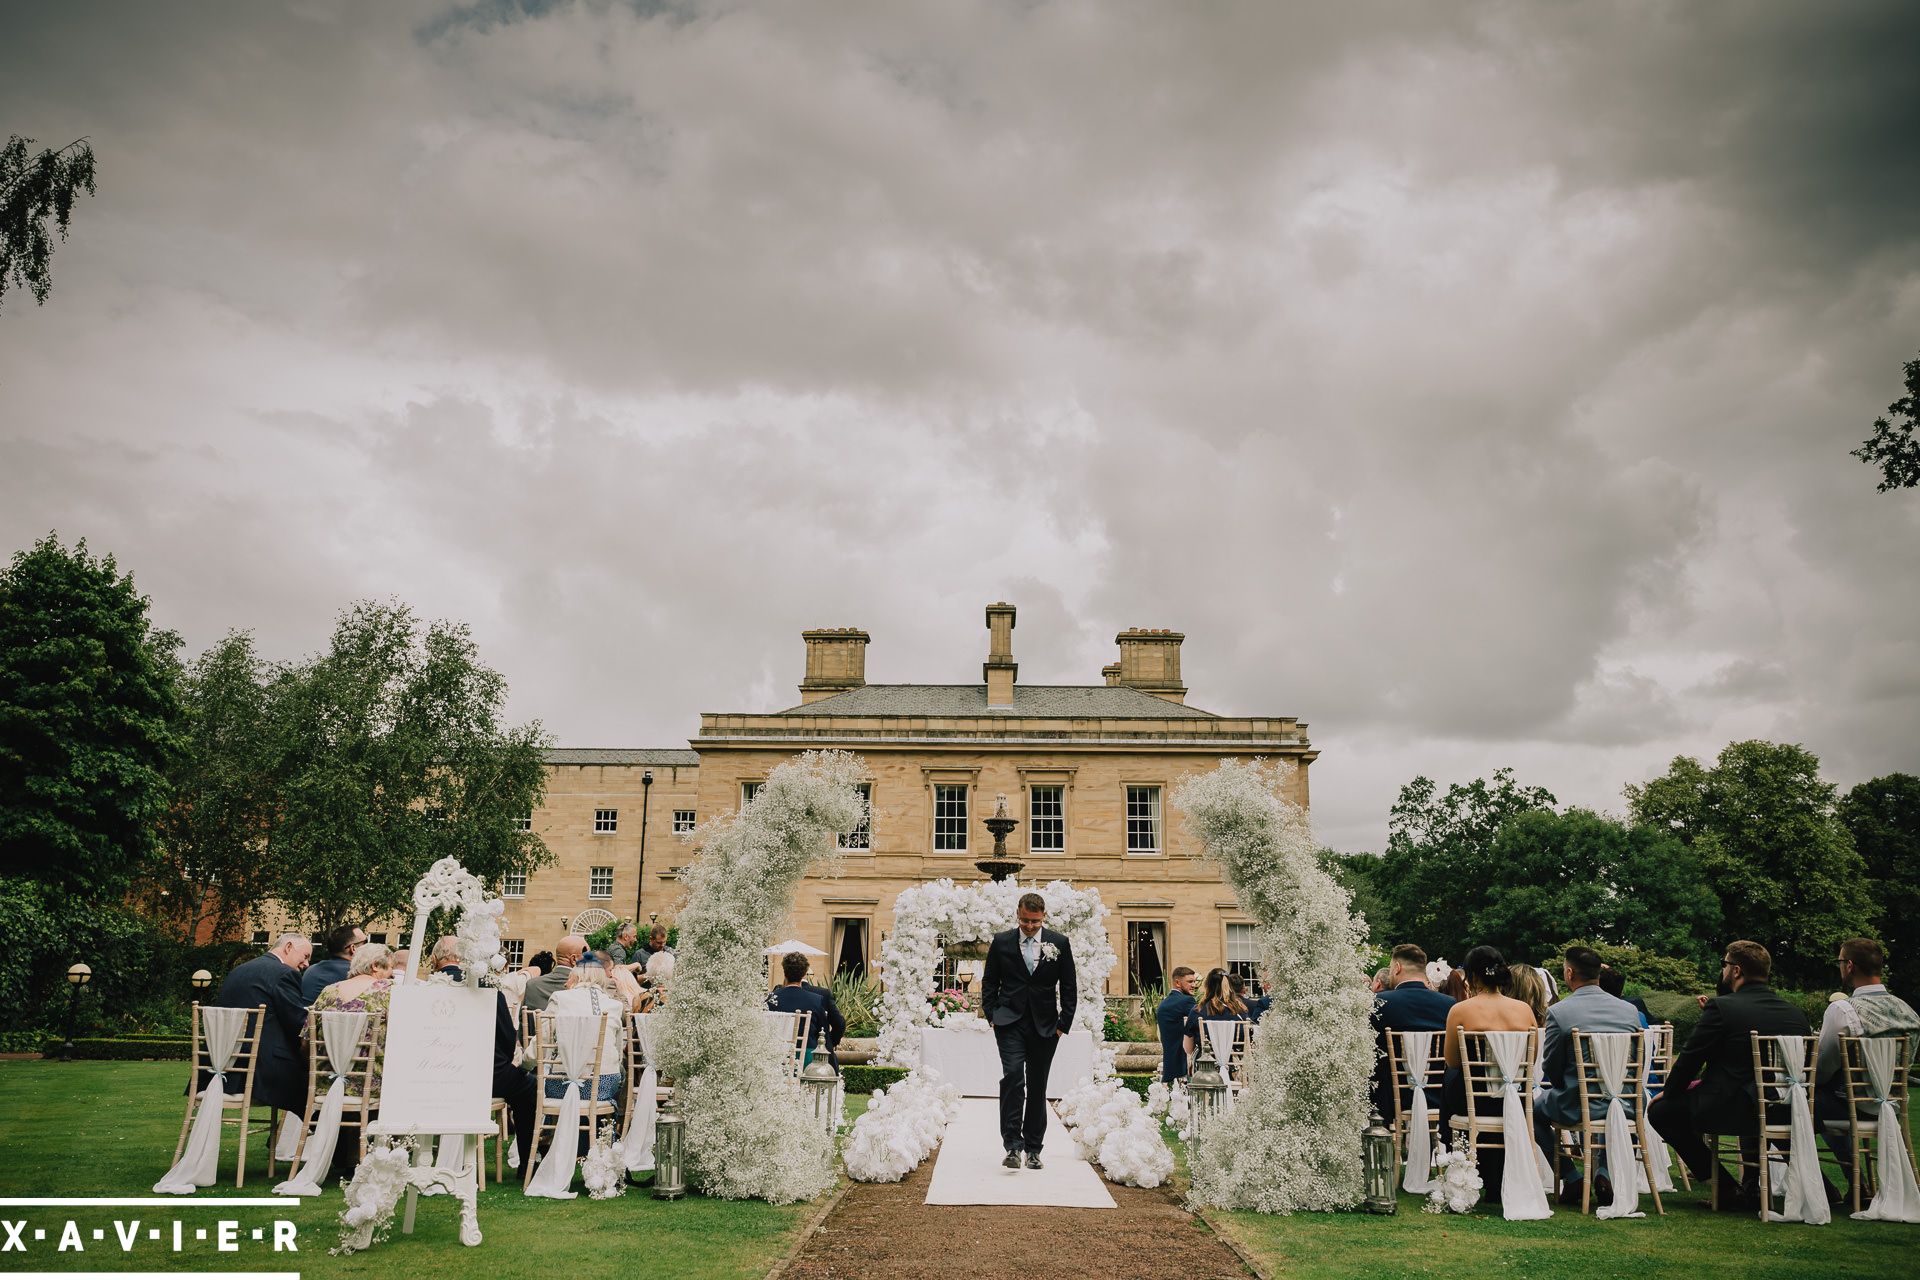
<point x="1048" y="951"/>
<point x="1456" y="1182"/>
<point x="372" y="1193"/>
<point x="605" y="1167"/>
<point x="1114" y="1127"/>
<point x="900" y="1127"/>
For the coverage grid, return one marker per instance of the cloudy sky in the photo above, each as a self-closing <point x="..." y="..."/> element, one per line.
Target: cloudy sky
<point x="1474" y="382"/>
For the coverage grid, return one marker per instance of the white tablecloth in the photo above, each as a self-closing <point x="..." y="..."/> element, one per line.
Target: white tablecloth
<point x="970" y="1061"/>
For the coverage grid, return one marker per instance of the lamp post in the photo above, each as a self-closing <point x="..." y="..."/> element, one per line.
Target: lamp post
<point x="820" y="1080"/>
<point x="640" y="875"/>
<point x="77" y="977"/>
<point x="1376" y="1142"/>
<point x="669" y="1150"/>
<point x="201" y="979"/>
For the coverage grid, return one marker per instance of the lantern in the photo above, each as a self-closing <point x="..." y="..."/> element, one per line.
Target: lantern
<point x="822" y="1082"/>
<point x="669" y="1152"/>
<point x="1376" y="1142"/>
<point x="201" y="979"/>
<point x="1208" y="1088"/>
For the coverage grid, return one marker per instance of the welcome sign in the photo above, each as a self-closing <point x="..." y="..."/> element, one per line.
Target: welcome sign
<point x="438" y="1074"/>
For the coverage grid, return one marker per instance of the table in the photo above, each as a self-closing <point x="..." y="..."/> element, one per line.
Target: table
<point x="970" y="1061"/>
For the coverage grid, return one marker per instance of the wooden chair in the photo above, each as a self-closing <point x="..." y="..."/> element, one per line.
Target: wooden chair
<point x="244" y="1060"/>
<point x="359" y="1101"/>
<point x="1773" y="1089"/>
<point x="549" y="1066"/>
<point x="1399" y="1063"/>
<point x="1863" y="1109"/>
<point x="794" y="1027"/>
<point x="1481" y="1075"/>
<point x="497" y="1112"/>
<point x="1591" y="1128"/>
<point x="1660" y="1053"/>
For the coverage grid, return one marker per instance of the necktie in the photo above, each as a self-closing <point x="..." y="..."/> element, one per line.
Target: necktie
<point x="1027" y="949"/>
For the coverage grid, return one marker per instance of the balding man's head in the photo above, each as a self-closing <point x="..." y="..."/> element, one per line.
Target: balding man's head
<point x="569" y="949"/>
<point x="293" y="949"/>
<point x="445" y="953"/>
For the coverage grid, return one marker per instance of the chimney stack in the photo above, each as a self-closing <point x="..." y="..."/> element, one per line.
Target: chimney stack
<point x="999" y="670"/>
<point x="836" y="662"/>
<point x="1112" y="673"/>
<point x="1150" y="662"/>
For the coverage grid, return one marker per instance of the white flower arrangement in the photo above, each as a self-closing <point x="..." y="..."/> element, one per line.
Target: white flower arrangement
<point x="1456" y="1182"/>
<point x="927" y="916"/>
<point x="900" y="1127"/>
<point x="1049" y="952"/>
<point x="1112" y="1125"/>
<point x="749" y="1132"/>
<point x="372" y="1193"/>
<point x="448" y="884"/>
<point x="605" y="1167"/>
<point x="1170" y="1104"/>
<point x="1291" y="1142"/>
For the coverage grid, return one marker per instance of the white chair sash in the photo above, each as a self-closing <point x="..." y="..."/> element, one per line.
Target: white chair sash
<point x="1417" y="1052"/>
<point x="574" y="1036"/>
<point x="1806" y="1190"/>
<point x="1221" y="1033"/>
<point x="1521" y="1196"/>
<point x="1650" y="1138"/>
<point x="1610" y="1061"/>
<point x="340" y="1032"/>
<point x="1898" y="1199"/>
<point x="198" y="1165"/>
<point x="640" y="1127"/>
<point x="288" y="1141"/>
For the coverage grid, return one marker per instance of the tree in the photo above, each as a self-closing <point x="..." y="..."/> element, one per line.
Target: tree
<point x="1883" y="816"/>
<point x="388" y="755"/>
<point x="88" y="695"/>
<point x="212" y="867"/>
<point x="1892" y="445"/>
<point x="36" y="186"/>
<point x="1577" y="874"/>
<point x="1437" y="845"/>
<point x="1763" y="824"/>
<point x="1358" y="874"/>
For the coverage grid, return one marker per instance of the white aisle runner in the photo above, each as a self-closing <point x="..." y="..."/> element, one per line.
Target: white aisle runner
<point x="968" y="1168"/>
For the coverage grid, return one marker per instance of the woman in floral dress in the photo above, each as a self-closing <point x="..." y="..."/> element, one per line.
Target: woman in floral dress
<point x="368" y="988"/>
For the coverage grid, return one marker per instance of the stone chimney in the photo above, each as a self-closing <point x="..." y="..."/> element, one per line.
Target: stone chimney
<point x="1111" y="672"/>
<point x="836" y="662"/>
<point x="1150" y="662"/>
<point x="999" y="670"/>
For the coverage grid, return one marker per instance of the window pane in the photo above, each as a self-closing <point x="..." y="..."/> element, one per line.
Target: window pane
<point x="1046" y="820"/>
<point x="514" y="885"/>
<point x="861" y="837"/>
<point x="606" y="821"/>
<point x="600" y="882"/>
<point x="1143" y="819"/>
<point x="682" y="821"/>
<point x="523" y="823"/>
<point x="515" y="950"/>
<point x="950" y="816"/>
<point x="1240" y="950"/>
<point x="748" y="790"/>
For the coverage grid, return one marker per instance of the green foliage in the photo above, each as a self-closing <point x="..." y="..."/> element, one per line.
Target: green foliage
<point x="1883" y="816"/>
<point x="1892" y="446"/>
<point x="87" y="693"/>
<point x="389" y="754"/>
<point x="866" y="1079"/>
<point x="1438" y="846"/>
<point x="176" y="1049"/>
<point x="1645" y="968"/>
<point x="1358" y="874"/>
<point x="211" y="869"/>
<point x="36" y="186"/>
<point x="858" y="999"/>
<point x="1681" y="1008"/>
<point x="1121" y="1026"/>
<point x="602" y="938"/>
<point x="1552" y="874"/>
<point x="1137" y="1081"/>
<point x="1764" y="826"/>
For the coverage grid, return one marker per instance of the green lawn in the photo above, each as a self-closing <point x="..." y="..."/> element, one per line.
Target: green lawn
<point x="108" y="1129"/>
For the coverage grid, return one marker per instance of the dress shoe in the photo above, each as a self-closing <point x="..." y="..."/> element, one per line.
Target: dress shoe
<point x="1570" y="1194"/>
<point x="1602" y="1190"/>
<point x="1012" y="1161"/>
<point x="1033" y="1159"/>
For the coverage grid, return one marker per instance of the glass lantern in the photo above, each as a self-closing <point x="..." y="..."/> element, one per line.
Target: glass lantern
<point x="669" y="1152"/>
<point x="1376" y="1142"/>
<point x="822" y="1082"/>
<point x="1208" y="1089"/>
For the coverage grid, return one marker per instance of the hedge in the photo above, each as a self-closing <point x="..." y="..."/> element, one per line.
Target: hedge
<point x="867" y="1079"/>
<point x="1683" y="1010"/>
<point x="122" y="1048"/>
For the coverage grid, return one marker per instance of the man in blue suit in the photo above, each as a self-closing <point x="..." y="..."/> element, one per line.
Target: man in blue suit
<point x="340" y="944"/>
<point x="1171" y="1018"/>
<point x="1408" y="1004"/>
<point x="1028" y="994"/>
<point x="1586" y="1007"/>
<point x="825" y="1023"/>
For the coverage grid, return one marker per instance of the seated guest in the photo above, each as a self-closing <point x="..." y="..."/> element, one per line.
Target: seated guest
<point x="445" y="958"/>
<point x="1382" y="979"/>
<point x="1261" y="1001"/>
<point x="1171" y="1018"/>
<point x="367" y="988"/>
<point x="1719" y="1055"/>
<point x="1586" y="1007"/>
<point x="656" y="944"/>
<point x="400" y="960"/>
<point x="1486" y="1007"/>
<point x="1531" y="990"/>
<point x="659" y="973"/>
<point x="590" y="992"/>
<point x="622" y="950"/>
<point x="339" y="945"/>
<point x="794" y="996"/>
<point x="538" y="963"/>
<point x="273" y="980"/>
<point x="566" y="954"/>
<point x="1868" y="1009"/>
<point x="1454" y="985"/>
<point x="1614" y="983"/>
<point x="1217" y="1004"/>
<point x="631" y="993"/>
<point x="1406" y="1004"/>
<point x="513" y="1084"/>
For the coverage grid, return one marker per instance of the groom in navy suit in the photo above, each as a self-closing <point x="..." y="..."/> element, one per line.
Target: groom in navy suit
<point x="1028" y="993"/>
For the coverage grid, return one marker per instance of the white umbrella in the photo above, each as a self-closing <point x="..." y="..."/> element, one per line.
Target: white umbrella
<point x="781" y="948"/>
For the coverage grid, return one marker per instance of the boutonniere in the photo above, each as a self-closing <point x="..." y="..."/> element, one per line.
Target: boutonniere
<point x="1049" y="952"/>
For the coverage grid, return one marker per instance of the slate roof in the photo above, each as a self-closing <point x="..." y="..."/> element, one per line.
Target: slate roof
<point x="662" y="756"/>
<point x="1055" y="700"/>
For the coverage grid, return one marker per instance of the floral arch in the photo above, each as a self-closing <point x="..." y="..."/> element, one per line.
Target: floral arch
<point x="929" y="915"/>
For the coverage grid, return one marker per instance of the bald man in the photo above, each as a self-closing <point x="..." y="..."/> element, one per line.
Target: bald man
<point x="566" y="954"/>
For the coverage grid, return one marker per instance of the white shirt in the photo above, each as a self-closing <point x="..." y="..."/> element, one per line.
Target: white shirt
<point x="1840" y="1020"/>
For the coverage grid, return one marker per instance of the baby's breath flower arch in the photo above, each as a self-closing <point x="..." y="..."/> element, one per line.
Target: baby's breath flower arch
<point x="1293" y="1142"/>
<point x="749" y="1134"/>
